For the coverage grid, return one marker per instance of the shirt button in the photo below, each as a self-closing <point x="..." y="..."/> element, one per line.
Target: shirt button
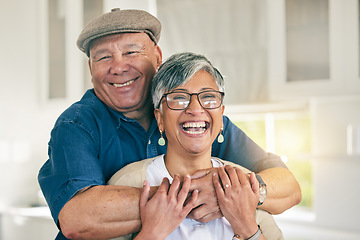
<point x="149" y="142"/>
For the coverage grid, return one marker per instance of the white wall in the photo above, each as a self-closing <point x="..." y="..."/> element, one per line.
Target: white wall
<point x="336" y="173"/>
<point x="24" y="124"/>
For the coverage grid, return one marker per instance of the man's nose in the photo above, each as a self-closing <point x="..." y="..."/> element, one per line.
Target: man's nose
<point x="194" y="105"/>
<point x="119" y="64"/>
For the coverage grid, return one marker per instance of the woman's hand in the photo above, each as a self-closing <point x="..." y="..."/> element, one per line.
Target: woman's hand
<point x="164" y="212"/>
<point x="238" y="198"/>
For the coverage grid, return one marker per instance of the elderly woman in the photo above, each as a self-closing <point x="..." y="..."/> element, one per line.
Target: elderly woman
<point x="187" y="95"/>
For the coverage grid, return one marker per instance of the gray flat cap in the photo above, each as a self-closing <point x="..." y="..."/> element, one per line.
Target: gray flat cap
<point x="119" y="21"/>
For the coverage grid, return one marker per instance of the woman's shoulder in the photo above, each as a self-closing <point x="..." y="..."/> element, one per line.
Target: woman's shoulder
<point x="224" y="162"/>
<point x="132" y="174"/>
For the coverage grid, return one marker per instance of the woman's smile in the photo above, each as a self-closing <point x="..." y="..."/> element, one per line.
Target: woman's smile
<point x="195" y="128"/>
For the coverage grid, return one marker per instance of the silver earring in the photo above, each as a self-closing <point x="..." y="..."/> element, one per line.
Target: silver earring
<point x="161" y="141"/>
<point x="220" y="138"/>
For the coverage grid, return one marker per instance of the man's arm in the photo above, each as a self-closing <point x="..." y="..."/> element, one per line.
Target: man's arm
<point x="101" y="212"/>
<point x="283" y="191"/>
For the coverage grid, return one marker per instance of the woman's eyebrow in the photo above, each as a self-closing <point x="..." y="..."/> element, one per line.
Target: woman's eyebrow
<point x="185" y="90"/>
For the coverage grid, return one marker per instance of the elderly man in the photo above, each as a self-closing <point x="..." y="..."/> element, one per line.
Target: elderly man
<point x="113" y="125"/>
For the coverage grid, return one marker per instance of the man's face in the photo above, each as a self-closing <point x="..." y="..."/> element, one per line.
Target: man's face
<point x="122" y="67"/>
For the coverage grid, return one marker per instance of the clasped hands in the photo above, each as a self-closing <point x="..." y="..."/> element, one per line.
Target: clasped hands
<point x="206" y="195"/>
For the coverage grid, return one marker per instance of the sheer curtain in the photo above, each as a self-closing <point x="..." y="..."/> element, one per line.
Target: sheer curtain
<point x="231" y="33"/>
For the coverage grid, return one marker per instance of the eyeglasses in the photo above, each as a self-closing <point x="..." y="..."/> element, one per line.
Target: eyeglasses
<point x="181" y="100"/>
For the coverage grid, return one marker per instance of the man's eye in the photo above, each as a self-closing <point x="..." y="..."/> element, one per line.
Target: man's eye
<point x="97" y="59"/>
<point x="131" y="52"/>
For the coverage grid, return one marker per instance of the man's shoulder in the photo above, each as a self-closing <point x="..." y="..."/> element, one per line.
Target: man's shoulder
<point x="89" y="107"/>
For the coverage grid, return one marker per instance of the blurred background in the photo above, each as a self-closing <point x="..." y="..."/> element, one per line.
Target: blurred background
<point x="292" y="84"/>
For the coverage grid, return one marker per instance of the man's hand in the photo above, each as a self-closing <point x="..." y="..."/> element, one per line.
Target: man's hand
<point x="207" y="207"/>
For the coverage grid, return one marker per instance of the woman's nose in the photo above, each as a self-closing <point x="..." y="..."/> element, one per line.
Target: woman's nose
<point x="194" y="105"/>
<point x="119" y="65"/>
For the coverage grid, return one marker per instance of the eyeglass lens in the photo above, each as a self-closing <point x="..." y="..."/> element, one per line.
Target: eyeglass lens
<point x="181" y="100"/>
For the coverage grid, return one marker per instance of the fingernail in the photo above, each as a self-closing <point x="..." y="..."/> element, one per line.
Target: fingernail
<point x="187" y="176"/>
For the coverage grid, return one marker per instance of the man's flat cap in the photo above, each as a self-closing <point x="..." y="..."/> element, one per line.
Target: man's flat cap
<point x="119" y="21"/>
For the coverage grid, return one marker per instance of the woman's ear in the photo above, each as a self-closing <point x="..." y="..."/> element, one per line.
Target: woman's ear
<point x="159" y="118"/>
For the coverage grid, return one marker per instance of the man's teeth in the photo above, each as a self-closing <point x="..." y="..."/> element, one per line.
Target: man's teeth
<point x="194" y="127"/>
<point x="123" y="84"/>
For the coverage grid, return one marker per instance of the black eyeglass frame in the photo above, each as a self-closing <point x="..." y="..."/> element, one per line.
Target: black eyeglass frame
<point x="191" y="94"/>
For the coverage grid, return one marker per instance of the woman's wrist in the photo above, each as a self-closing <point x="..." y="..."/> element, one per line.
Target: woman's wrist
<point x="248" y="233"/>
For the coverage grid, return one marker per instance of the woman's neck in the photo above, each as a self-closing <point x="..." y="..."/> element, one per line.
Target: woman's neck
<point x="186" y="163"/>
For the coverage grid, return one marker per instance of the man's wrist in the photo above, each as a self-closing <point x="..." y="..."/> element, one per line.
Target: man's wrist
<point x="263" y="190"/>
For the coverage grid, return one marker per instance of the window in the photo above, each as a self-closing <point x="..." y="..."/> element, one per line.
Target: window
<point x="287" y="134"/>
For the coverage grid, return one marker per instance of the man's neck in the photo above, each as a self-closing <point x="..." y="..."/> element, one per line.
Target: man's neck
<point x="143" y="116"/>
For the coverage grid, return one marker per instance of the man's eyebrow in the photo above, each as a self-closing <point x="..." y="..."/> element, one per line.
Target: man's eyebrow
<point x="101" y="51"/>
<point x="134" y="45"/>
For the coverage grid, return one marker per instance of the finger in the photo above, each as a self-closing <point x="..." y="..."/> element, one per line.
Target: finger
<point x="183" y="193"/>
<point x="218" y="188"/>
<point x="191" y="204"/>
<point x="200" y="173"/>
<point x="174" y="187"/>
<point x="255" y="186"/>
<point x="145" y="193"/>
<point x="225" y="181"/>
<point x="242" y="177"/>
<point x="199" y="179"/>
<point x="209" y="217"/>
<point x="164" y="186"/>
<point x="233" y="176"/>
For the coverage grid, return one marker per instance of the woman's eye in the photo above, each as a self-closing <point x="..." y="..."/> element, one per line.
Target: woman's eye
<point x="179" y="97"/>
<point x="207" y="96"/>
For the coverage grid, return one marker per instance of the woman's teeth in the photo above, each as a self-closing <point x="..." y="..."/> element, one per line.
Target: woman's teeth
<point x="194" y="127"/>
<point x="123" y="84"/>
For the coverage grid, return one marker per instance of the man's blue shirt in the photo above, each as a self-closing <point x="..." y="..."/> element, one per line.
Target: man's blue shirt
<point x="90" y="142"/>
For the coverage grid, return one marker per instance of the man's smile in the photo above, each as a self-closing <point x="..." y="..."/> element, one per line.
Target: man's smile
<point x="119" y="85"/>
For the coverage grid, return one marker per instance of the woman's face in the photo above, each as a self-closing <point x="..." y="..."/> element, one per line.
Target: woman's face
<point x="193" y="129"/>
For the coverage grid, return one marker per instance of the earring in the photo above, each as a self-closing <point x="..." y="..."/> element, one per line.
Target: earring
<point x="220" y="138"/>
<point x="161" y="141"/>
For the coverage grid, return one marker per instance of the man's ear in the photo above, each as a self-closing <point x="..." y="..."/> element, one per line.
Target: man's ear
<point x="159" y="118"/>
<point x="89" y="63"/>
<point x="158" y="55"/>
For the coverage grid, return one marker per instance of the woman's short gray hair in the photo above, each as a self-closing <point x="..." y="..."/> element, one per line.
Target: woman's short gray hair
<point x="177" y="70"/>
